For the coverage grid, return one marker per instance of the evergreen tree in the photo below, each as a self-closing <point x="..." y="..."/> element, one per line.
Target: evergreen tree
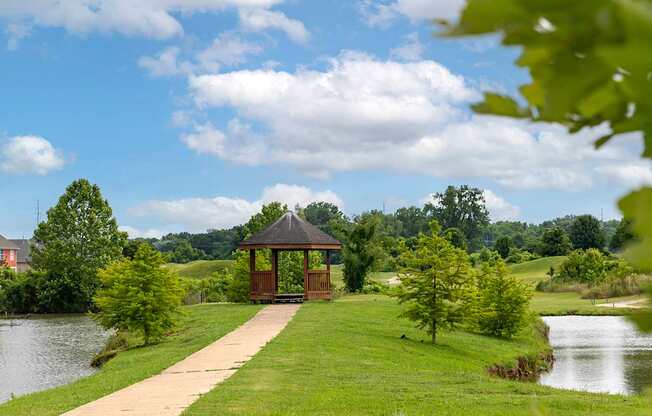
<point x="436" y="283"/>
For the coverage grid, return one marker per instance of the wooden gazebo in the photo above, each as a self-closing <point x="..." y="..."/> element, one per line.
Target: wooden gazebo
<point x="290" y="233"/>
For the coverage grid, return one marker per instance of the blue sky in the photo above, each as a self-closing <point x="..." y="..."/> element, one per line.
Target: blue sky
<point x="190" y="114"/>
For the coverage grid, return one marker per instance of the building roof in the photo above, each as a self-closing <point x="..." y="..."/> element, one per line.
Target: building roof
<point x="4" y="243"/>
<point x="291" y="232"/>
<point x="24" y="250"/>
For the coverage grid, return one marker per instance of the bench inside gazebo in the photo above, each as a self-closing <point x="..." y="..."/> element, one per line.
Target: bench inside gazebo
<point x="289" y="233"/>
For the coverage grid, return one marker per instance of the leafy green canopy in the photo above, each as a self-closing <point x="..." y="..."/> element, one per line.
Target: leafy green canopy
<point x="555" y="242"/>
<point x="463" y="208"/>
<point x="79" y="237"/>
<point x="139" y="295"/>
<point x="359" y="253"/>
<point x="586" y="232"/>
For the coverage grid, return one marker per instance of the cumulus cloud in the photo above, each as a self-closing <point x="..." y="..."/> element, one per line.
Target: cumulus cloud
<point x="152" y="18"/>
<point x="411" y="50"/>
<point x="380" y="13"/>
<point x="144" y="233"/>
<point x="257" y="20"/>
<point x="632" y="174"/>
<point x="409" y="117"/>
<point x="200" y="214"/>
<point x="499" y="209"/>
<point x="29" y="155"/>
<point x="225" y="50"/>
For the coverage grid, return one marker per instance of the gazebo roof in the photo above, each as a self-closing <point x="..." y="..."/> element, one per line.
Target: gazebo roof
<point x="291" y="232"/>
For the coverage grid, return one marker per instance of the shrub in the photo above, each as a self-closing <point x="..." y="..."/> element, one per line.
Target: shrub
<point x="436" y="283"/>
<point x="373" y="286"/>
<point x="139" y="295"/>
<point x="358" y="254"/>
<point x="584" y="266"/>
<point x="502" y="301"/>
<point x="520" y="256"/>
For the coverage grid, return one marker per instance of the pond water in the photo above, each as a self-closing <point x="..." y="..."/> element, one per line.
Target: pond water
<point x="602" y="354"/>
<point x="37" y="354"/>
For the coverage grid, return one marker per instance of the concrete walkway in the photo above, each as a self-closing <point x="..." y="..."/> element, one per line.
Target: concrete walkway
<point x="169" y="393"/>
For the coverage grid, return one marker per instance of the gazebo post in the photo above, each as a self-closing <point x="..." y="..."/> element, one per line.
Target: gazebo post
<point x="275" y="269"/>
<point x="305" y="274"/>
<point x="252" y="261"/>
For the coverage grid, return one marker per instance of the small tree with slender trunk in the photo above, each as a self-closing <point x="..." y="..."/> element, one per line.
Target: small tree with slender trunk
<point x="139" y="295"/>
<point x="436" y="283"/>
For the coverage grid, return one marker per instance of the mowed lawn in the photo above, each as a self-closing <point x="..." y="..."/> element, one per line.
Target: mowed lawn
<point x="564" y="303"/>
<point x="347" y="358"/>
<point x="198" y="327"/>
<point x="199" y="269"/>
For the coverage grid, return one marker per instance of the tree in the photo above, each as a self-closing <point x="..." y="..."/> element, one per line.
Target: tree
<point x="502" y="301"/>
<point x="462" y="208"/>
<point x="584" y="266"/>
<point x="358" y="253"/>
<point x="139" y="295"/>
<point x="622" y="236"/>
<point x="413" y="221"/>
<point x="185" y="253"/>
<point x="323" y="215"/>
<point x="503" y="246"/>
<point x="589" y="66"/>
<point x="456" y="238"/>
<point x="79" y="237"/>
<point x="586" y="232"/>
<point x="555" y="242"/>
<point x="436" y="283"/>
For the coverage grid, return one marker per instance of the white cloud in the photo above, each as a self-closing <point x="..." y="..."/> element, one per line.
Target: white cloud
<point x="29" y="155"/>
<point x="227" y="49"/>
<point x="151" y="18"/>
<point x="632" y="175"/>
<point x="411" y="50"/>
<point x="138" y="233"/>
<point x="257" y="20"/>
<point x="200" y="214"/>
<point x="499" y="209"/>
<point x="380" y="13"/>
<point x="15" y="33"/>
<point x="166" y="63"/>
<point x="365" y="114"/>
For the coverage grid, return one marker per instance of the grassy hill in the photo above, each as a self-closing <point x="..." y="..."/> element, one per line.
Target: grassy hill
<point x="200" y="269"/>
<point x="535" y="270"/>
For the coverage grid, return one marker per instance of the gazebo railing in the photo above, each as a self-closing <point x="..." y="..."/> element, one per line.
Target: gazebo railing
<point x="263" y="285"/>
<point x="318" y="284"/>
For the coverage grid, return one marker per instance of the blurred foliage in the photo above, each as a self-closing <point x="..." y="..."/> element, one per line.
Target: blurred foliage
<point x="590" y="65"/>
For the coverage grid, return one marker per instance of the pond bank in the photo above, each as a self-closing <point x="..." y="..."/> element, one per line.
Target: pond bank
<point x="198" y="327"/>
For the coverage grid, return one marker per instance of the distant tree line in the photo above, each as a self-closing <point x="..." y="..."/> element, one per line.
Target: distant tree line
<point x="461" y="213"/>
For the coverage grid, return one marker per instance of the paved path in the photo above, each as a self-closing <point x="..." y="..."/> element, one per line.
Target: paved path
<point x="632" y="304"/>
<point x="169" y="393"/>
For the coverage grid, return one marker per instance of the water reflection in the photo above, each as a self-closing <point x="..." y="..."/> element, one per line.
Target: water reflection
<point x="37" y="354"/>
<point x="598" y="354"/>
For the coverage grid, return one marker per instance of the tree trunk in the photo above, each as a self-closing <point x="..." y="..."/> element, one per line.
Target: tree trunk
<point x="434" y="331"/>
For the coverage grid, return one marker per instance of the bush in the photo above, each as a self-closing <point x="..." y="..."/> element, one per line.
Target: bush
<point x="19" y="292"/>
<point x="139" y="295"/>
<point x="373" y="287"/>
<point x="616" y="286"/>
<point x="520" y="256"/>
<point x="502" y="301"/>
<point x="584" y="266"/>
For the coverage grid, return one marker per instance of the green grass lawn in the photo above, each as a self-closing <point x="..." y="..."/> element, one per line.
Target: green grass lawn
<point x="199" y="269"/>
<point x="347" y="358"/>
<point x="337" y="279"/>
<point x="198" y="327"/>
<point x="535" y="270"/>
<point x="566" y="303"/>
